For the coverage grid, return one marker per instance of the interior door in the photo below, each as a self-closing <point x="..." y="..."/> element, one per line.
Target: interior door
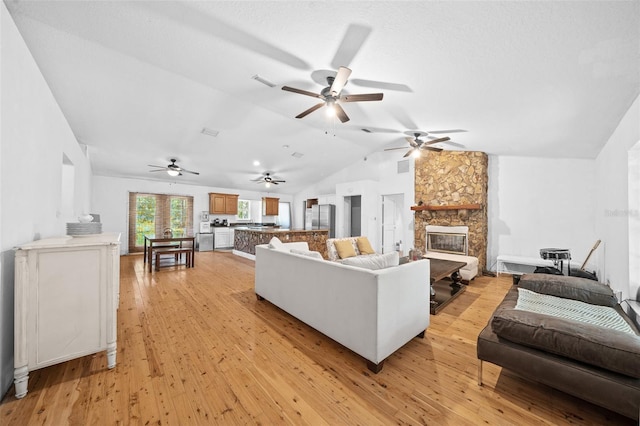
<point x="390" y="232"/>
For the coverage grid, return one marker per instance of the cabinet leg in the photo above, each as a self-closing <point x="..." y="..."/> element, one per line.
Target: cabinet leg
<point x="111" y="355"/>
<point x="20" y="381"/>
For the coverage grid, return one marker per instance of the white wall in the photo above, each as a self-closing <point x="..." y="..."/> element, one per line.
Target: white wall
<point x="111" y="201"/>
<point x="536" y="203"/>
<point x="33" y="139"/>
<point x="613" y="210"/>
<point x="377" y="176"/>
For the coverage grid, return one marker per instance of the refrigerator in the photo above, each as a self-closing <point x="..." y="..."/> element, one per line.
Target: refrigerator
<point x="322" y="216"/>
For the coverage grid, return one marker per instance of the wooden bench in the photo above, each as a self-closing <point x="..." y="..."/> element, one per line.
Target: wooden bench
<point x="175" y="251"/>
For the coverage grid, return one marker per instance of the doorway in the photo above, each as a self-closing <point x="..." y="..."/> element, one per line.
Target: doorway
<point x="392" y="207"/>
<point x="353" y="215"/>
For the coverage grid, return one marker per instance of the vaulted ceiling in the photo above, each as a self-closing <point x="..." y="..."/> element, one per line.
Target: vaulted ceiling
<point x="139" y="81"/>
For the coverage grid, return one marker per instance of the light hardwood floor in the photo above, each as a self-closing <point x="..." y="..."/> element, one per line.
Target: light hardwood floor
<point x="196" y="347"/>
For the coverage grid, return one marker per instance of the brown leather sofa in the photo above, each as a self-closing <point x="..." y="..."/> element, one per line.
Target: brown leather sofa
<point x="599" y="365"/>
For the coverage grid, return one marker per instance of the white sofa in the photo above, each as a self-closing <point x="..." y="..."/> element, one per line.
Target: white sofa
<point x="371" y="312"/>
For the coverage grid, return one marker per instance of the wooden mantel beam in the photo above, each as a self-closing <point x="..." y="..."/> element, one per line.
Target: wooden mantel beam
<point x="455" y="207"/>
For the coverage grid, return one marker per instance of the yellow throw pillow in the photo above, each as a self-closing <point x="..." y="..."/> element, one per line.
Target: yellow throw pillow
<point x="344" y="248"/>
<point x="364" y="246"/>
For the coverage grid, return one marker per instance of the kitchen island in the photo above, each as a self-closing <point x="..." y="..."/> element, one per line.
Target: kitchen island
<point x="247" y="238"/>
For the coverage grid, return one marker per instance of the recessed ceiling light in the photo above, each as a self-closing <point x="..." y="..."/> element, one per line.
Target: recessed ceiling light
<point x="263" y="81"/>
<point x="256" y="163"/>
<point x="297" y="155"/>
<point x="209" y="132"/>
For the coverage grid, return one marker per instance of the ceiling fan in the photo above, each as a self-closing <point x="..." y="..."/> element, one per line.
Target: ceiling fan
<point x="418" y="145"/>
<point x="267" y="179"/>
<point x="172" y="169"/>
<point x="331" y="97"/>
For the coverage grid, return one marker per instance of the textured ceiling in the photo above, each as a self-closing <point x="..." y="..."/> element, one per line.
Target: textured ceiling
<point x="138" y="81"/>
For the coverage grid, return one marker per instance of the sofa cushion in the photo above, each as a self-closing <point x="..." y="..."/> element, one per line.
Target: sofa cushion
<point x="364" y="246"/>
<point x="374" y="261"/>
<point x="576" y="288"/>
<point x="610" y="349"/>
<point x="344" y="248"/>
<point x="309" y="253"/>
<point x="275" y="243"/>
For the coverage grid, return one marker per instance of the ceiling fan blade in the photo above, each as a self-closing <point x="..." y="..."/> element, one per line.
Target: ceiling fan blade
<point x="393" y="149"/>
<point x="430" y="148"/>
<point x="340" y="80"/>
<point x="310" y="110"/>
<point x="159" y="170"/>
<point x="160" y="167"/>
<point x="189" y="171"/>
<point x="431" y="142"/>
<point x="302" y="92"/>
<point x="350" y="45"/>
<point x="435" y="132"/>
<point x="279" y="181"/>
<point x="362" y="98"/>
<point x="408" y="153"/>
<point x="381" y="85"/>
<point x="340" y="113"/>
<point x="412" y="142"/>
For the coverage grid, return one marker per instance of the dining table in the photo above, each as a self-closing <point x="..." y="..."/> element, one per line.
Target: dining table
<point x="162" y="241"/>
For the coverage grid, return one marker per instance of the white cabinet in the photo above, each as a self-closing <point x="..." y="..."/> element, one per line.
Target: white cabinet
<point x="223" y="238"/>
<point x="66" y="299"/>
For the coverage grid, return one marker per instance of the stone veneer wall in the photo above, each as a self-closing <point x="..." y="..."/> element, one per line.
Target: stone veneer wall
<point x="246" y="240"/>
<point x="450" y="178"/>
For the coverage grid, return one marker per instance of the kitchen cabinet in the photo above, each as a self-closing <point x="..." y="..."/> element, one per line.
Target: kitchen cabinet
<point x="66" y="301"/>
<point x="270" y="206"/>
<point x="222" y="238"/>
<point x="223" y="203"/>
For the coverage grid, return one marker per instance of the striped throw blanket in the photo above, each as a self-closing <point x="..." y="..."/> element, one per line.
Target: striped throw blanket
<point x="603" y="316"/>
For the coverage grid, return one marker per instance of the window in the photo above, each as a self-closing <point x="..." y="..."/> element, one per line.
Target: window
<point x="244" y="210"/>
<point x="153" y="213"/>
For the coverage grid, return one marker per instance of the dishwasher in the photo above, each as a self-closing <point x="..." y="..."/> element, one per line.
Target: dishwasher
<point x="204" y="241"/>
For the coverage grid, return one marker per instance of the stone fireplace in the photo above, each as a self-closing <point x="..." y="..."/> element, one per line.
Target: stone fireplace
<point x="452" y="186"/>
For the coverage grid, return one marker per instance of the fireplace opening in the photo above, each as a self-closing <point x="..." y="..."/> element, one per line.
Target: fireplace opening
<point x="448" y="239"/>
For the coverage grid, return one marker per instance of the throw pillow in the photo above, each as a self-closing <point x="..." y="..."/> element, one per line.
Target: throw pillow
<point x="374" y="261"/>
<point x="309" y="253"/>
<point x="364" y="246"/>
<point x="275" y="243"/>
<point x="344" y="248"/>
<point x="575" y="288"/>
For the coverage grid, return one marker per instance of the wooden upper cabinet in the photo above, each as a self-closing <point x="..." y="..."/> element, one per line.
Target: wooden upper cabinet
<point x="223" y="203"/>
<point x="270" y="206"/>
<point x="231" y="204"/>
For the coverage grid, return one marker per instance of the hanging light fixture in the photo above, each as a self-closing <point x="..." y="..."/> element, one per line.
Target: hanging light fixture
<point x="171" y="172"/>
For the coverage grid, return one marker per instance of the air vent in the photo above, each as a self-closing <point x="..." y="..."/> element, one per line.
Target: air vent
<point x="297" y="155"/>
<point x="403" y="166"/>
<point x="209" y="132"/>
<point x="263" y="81"/>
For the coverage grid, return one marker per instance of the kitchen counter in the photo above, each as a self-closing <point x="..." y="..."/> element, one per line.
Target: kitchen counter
<point x="247" y="238"/>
